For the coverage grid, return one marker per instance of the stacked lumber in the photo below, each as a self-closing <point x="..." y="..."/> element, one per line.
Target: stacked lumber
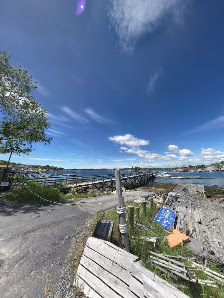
<point x="105" y="270"/>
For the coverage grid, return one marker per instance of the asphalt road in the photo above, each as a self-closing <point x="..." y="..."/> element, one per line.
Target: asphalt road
<point x="36" y="242"/>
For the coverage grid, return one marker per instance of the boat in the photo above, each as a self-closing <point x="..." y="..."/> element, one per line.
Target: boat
<point x="164" y="175"/>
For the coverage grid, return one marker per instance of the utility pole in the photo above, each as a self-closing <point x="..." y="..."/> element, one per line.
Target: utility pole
<point x="121" y="210"/>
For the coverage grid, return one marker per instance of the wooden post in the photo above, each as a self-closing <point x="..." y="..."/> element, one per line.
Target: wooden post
<point x="93" y="183"/>
<point x="112" y="186"/>
<point x="137" y="212"/>
<point x="152" y="203"/>
<point x="131" y="217"/>
<point x="121" y="211"/>
<point x="103" y="185"/>
<point x="144" y="207"/>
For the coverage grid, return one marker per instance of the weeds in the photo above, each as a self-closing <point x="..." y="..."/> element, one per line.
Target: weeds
<point x="31" y="192"/>
<point x="48" y="287"/>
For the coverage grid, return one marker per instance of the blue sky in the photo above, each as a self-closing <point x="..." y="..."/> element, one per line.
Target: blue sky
<point x="137" y="84"/>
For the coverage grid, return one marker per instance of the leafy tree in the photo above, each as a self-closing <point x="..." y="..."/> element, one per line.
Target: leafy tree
<point x="23" y="120"/>
<point x="137" y="169"/>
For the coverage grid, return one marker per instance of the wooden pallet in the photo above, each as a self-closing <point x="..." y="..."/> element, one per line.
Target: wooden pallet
<point x="107" y="271"/>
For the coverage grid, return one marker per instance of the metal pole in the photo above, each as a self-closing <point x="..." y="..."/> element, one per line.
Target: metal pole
<point x="121" y="210"/>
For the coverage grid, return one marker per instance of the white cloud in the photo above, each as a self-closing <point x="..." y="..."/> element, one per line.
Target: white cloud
<point x="133" y="146"/>
<point x="133" y="19"/>
<point x="173" y="148"/>
<point x="141" y="153"/>
<point x="96" y="116"/>
<point x="169" y="157"/>
<point x="129" y="140"/>
<point x="152" y="82"/>
<point x="211" y="154"/>
<point x="215" y="123"/>
<point x="182" y="152"/>
<point x="182" y="157"/>
<point x="210" y="151"/>
<point x="186" y="152"/>
<point x="69" y="112"/>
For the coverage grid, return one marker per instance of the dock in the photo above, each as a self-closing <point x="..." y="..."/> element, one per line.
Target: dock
<point x="84" y="184"/>
<point x="128" y="182"/>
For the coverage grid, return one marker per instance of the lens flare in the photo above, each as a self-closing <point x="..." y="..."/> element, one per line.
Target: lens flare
<point x="80" y="7"/>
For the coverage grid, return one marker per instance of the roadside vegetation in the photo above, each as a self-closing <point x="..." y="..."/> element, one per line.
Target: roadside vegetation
<point x="146" y="227"/>
<point x="33" y="192"/>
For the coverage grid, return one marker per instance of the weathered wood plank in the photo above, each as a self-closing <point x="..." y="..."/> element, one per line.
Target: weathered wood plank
<point x="95" y="283"/>
<point x="97" y="244"/>
<point x="113" y="282"/>
<point x="172" y="270"/>
<point x="168" y="264"/>
<point x="89" y="292"/>
<point x="138" y="271"/>
<point x="167" y="258"/>
<point x="107" y="264"/>
<point x="136" y="286"/>
<point x="110" y="273"/>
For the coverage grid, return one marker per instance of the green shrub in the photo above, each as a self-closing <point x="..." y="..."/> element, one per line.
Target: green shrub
<point x="33" y="193"/>
<point x="61" y="186"/>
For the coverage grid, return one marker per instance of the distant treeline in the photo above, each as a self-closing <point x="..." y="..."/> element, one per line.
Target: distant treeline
<point x="47" y="167"/>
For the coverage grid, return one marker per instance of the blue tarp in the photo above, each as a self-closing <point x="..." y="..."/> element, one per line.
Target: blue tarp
<point x="165" y="218"/>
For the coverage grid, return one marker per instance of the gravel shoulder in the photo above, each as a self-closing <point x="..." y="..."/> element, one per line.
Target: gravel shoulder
<point x="38" y="242"/>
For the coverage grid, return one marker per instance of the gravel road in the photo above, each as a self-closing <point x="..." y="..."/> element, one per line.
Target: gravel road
<point x="36" y="242"/>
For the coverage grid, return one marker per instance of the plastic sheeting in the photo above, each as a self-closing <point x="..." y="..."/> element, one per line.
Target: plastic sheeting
<point x="165" y="218"/>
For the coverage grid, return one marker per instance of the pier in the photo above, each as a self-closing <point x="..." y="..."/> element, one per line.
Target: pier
<point x="105" y="185"/>
<point x="84" y="184"/>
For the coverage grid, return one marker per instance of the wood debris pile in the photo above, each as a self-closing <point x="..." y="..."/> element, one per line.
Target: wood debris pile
<point x="200" y="218"/>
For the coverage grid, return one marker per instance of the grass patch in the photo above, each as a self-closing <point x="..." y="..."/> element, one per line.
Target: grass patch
<point x="166" y="187"/>
<point x="32" y="192"/>
<point x="214" y="192"/>
<point x="83" y="195"/>
<point x="141" y="248"/>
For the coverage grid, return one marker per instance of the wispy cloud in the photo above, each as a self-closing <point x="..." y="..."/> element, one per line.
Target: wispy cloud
<point x="54" y="132"/>
<point x="96" y="117"/>
<point x="69" y="112"/>
<point x="133" y="19"/>
<point x="153" y="81"/>
<point x="47" y="159"/>
<point x="59" y="120"/>
<point x="42" y="90"/>
<point x="215" y="123"/>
